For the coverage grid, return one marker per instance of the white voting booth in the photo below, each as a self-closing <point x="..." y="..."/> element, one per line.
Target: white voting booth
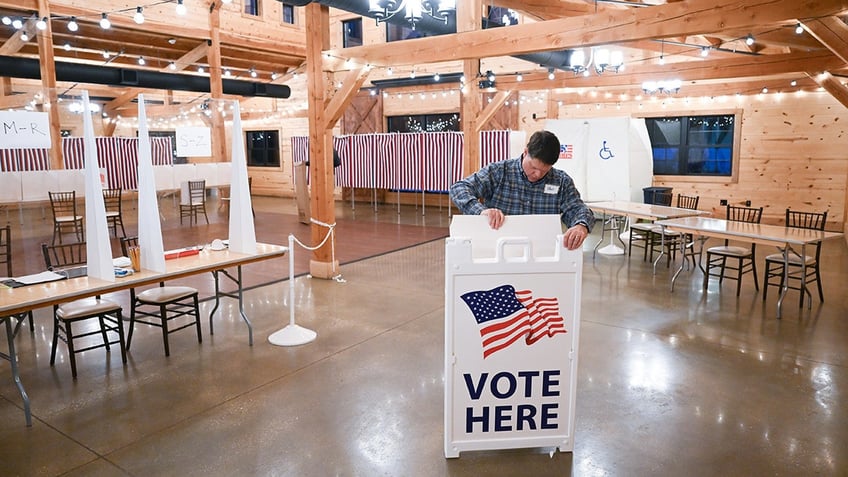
<point x="512" y="322"/>
<point x="608" y="158"/>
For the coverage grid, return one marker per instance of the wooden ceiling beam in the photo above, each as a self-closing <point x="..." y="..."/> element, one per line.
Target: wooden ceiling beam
<point x="832" y="33"/>
<point x="192" y="56"/>
<point x="832" y="86"/>
<point x="491" y="108"/>
<point x="745" y="67"/>
<point x="344" y="95"/>
<point x="15" y="43"/>
<point x="691" y="17"/>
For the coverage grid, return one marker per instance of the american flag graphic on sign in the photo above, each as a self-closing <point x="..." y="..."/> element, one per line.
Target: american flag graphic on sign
<point x="506" y="316"/>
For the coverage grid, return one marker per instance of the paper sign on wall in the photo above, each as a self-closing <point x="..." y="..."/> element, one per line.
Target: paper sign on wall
<point x="24" y="130"/>
<point x="195" y="141"/>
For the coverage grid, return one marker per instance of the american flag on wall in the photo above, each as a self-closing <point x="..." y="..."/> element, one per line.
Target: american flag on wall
<point x="505" y="316"/>
<point x="494" y="147"/>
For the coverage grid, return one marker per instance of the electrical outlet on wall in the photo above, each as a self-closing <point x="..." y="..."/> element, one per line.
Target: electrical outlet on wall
<point x="722" y="202"/>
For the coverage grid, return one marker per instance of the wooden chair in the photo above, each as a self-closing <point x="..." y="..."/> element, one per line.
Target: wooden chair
<point x="114" y="215"/>
<point x="6" y="258"/>
<point x="671" y="239"/>
<point x="225" y="196"/>
<point x="64" y="206"/>
<point x="66" y="315"/>
<point x="802" y="269"/>
<point x="645" y="235"/>
<point x="162" y="305"/>
<point x="195" y="202"/>
<point x="745" y="257"/>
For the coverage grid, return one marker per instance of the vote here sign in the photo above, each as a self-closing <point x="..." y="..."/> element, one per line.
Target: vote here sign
<point x="511" y="337"/>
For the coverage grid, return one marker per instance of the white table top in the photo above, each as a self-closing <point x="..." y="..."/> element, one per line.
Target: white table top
<point x="640" y="210"/>
<point x="760" y="233"/>
<point x="16" y="300"/>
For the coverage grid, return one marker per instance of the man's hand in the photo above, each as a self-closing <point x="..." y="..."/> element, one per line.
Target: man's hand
<point x="574" y="237"/>
<point x="496" y="217"/>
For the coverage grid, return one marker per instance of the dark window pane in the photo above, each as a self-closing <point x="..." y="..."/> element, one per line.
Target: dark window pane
<point x="692" y="145"/>
<point x="352" y="31"/>
<point x="288" y="14"/>
<point x="424" y="123"/>
<point x="251" y="7"/>
<point x="262" y="148"/>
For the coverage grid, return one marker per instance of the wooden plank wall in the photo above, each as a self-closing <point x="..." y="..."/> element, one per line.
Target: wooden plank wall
<point x="792" y="153"/>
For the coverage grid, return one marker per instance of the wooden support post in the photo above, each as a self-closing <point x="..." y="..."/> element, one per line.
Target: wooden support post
<point x="48" y="82"/>
<point x="213" y="54"/>
<point x="322" y="202"/>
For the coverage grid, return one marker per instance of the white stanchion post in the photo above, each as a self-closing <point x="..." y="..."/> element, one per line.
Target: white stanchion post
<point x="292" y="334"/>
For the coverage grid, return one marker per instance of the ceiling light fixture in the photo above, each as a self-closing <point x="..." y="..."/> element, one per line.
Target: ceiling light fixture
<point x="139" y="15"/>
<point x="73" y="25"/>
<point x="413" y="10"/>
<point x="104" y="21"/>
<point x="661" y="87"/>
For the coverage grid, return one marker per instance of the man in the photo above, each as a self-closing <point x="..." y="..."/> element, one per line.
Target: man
<point x="527" y="185"/>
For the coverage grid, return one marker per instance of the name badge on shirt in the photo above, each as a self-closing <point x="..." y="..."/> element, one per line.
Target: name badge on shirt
<point x="551" y="189"/>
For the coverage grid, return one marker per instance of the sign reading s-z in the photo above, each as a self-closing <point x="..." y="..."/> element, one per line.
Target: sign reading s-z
<point x="194" y="142"/>
<point x="24" y="130"/>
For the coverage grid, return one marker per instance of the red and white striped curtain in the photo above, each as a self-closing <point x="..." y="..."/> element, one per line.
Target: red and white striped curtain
<point x="118" y="155"/>
<point x="24" y="160"/>
<point x="405" y="161"/>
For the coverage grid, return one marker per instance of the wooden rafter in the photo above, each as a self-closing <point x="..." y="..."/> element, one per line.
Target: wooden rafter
<point x="832" y="33"/>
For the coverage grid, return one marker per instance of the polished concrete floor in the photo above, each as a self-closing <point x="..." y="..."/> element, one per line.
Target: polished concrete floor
<point x="683" y="383"/>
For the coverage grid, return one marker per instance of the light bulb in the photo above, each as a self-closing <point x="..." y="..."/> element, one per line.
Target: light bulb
<point x="73" y="25"/>
<point x="41" y="24"/>
<point x="6" y="20"/>
<point x="24" y="37"/>
<point x="799" y="29"/>
<point x="17" y="24"/>
<point x="200" y="69"/>
<point x="67" y="47"/>
<point x="139" y="16"/>
<point x="141" y="60"/>
<point x="181" y="9"/>
<point x="104" y="22"/>
<point x="662" y="60"/>
<point x="749" y="40"/>
<point x="172" y="66"/>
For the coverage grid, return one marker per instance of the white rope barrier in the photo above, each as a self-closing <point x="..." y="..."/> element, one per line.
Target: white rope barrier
<point x="293" y="334"/>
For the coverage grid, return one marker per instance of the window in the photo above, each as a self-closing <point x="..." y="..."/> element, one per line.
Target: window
<point x="693" y="145"/>
<point x="288" y="13"/>
<point x="404" y="32"/>
<point x="251" y="7"/>
<point x="66" y="132"/>
<point x="424" y="123"/>
<point x="263" y="149"/>
<point x="352" y="31"/>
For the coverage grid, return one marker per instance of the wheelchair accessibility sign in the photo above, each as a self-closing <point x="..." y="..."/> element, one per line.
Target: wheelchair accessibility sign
<point x="605" y="153"/>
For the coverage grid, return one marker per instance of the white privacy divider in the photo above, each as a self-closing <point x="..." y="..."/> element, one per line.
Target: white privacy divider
<point x="36" y="184"/>
<point x="225" y="173"/>
<point x="70" y="180"/>
<point x="10" y="187"/>
<point x="209" y="172"/>
<point x="164" y="177"/>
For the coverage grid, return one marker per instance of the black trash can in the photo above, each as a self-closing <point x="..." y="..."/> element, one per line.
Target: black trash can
<point x="649" y="193"/>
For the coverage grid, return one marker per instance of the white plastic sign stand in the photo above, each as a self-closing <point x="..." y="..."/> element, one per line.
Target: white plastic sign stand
<point x="512" y="323"/>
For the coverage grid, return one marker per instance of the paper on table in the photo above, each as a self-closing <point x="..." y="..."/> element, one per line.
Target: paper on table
<point x="42" y="277"/>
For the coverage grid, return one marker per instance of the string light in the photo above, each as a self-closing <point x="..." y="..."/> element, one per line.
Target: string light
<point x="41" y="24"/>
<point x="139" y="16"/>
<point x="141" y="60"/>
<point x="104" y="21"/>
<point x="6" y="20"/>
<point x="24" y="37"/>
<point x="73" y="25"/>
<point x="749" y="40"/>
<point x="17" y="24"/>
<point x="799" y="29"/>
<point x="181" y="8"/>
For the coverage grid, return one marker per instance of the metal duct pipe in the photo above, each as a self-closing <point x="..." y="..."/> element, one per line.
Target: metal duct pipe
<point x="28" y="68"/>
<point x="554" y="59"/>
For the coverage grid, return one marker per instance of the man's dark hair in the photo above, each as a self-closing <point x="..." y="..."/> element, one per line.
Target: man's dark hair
<point x="544" y="146"/>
